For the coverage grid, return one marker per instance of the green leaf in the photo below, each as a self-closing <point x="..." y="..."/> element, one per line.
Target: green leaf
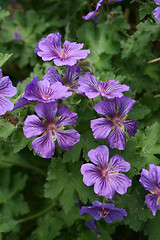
<point x="6" y="129"/>
<point x="152" y="229"/>
<point x="4" y="58"/>
<point x="3" y="14"/>
<point x="48" y="228"/>
<point x="139" y="111"/>
<point x="19" y="140"/>
<point x="6" y="224"/>
<point x="149" y="143"/>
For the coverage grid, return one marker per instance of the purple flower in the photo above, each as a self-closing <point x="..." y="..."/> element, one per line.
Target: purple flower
<point x="105" y="175"/>
<point x="94" y="13"/>
<point x="42" y="91"/>
<point x="17" y="36"/>
<point x="106" y="211"/>
<point x="6" y="90"/>
<point x="112" y="126"/>
<point x="92" y="88"/>
<point x="156" y="12"/>
<point x="50" y="48"/>
<point x="51" y="127"/>
<point x="71" y="74"/>
<point x="91" y="224"/>
<point x="150" y="180"/>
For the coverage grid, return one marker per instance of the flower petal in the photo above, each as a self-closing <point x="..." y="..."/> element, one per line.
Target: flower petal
<point x="103" y="187"/>
<point x="44" y="145"/>
<point x="116" y="213"/>
<point x="131" y="126"/>
<point x="66" y="117"/>
<point x="52" y="75"/>
<point x="101" y="127"/>
<point x="33" y="126"/>
<point x="99" y="156"/>
<point x="151" y="201"/>
<point x="93" y="211"/>
<point x="117" y="138"/>
<point x="106" y="108"/>
<point x="6" y="87"/>
<point x="89" y="85"/>
<point x="146" y="181"/>
<point x="67" y="139"/>
<point x="22" y="102"/>
<point x="117" y="163"/>
<point x="46" y="111"/>
<point x="5" y="105"/>
<point x="120" y="182"/>
<point x="90" y="173"/>
<point x="124" y="105"/>
<point x="72" y="73"/>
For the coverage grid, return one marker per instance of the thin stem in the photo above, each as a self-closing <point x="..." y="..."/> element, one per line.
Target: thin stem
<point x="3" y="141"/>
<point x="24" y="165"/>
<point x="154" y="60"/>
<point x="37" y="214"/>
<point x="93" y="102"/>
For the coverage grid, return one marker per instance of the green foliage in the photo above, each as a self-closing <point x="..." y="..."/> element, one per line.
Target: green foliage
<point x="4" y="58"/>
<point x="3" y="14"/>
<point x="6" y="129"/>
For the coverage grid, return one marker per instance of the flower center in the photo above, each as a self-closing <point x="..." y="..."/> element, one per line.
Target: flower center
<point x="52" y="127"/>
<point x="157" y="191"/>
<point x="103" y="212"/>
<point x="105" y="173"/>
<point x="62" y="54"/>
<point x="116" y="120"/>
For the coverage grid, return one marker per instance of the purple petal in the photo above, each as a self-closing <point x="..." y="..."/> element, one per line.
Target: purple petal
<point x="45" y="92"/>
<point x="89" y="85"/>
<point x="125" y="105"/>
<point x="131" y="126"/>
<point x="93" y="211"/>
<point x="115" y="214"/>
<point x="44" y="145"/>
<point x="154" y="174"/>
<point x="5" y="105"/>
<point x="101" y="127"/>
<point x="52" y="75"/>
<point x="156" y="13"/>
<point x="22" y="102"/>
<point x="50" y="47"/>
<point x="117" y="138"/>
<point x="91" y="224"/>
<point x="151" y="201"/>
<point x="67" y="139"/>
<point x="90" y="173"/>
<point x="117" y="163"/>
<point x="46" y="111"/>
<point x="90" y="15"/>
<point x="103" y="187"/>
<point x="106" y="108"/>
<point x="157" y="2"/>
<point x="72" y="73"/>
<point x="6" y="87"/>
<point x="99" y="156"/>
<point x="33" y="126"/>
<point x="120" y="182"/>
<point x="146" y="181"/>
<point x="66" y="117"/>
<point x="112" y="89"/>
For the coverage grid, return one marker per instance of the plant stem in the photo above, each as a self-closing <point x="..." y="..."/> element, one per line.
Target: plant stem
<point x="37" y="214"/>
<point x="154" y="60"/>
<point x="24" y="165"/>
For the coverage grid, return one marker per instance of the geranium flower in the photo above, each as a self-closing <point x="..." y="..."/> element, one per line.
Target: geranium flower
<point x="50" y="48"/>
<point x="71" y="74"/>
<point x="6" y="90"/>
<point x="112" y="126"/>
<point x="150" y="180"/>
<point x="51" y="128"/>
<point x="92" y="88"/>
<point x="104" y="175"/>
<point x="93" y="14"/>
<point x="106" y="211"/>
<point x="157" y="10"/>
<point x="42" y="91"/>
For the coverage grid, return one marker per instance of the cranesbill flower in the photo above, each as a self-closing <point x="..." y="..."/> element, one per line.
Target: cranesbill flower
<point x="150" y="180"/>
<point x="42" y="91"/>
<point x="6" y="90"/>
<point x="92" y="225"/>
<point x="71" y="74"/>
<point x="105" y="175"/>
<point x="92" y="88"/>
<point x="50" y="48"/>
<point x="51" y="127"/>
<point x="113" y="125"/>
<point x="106" y="211"/>
<point x="93" y="14"/>
<point x="157" y="11"/>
